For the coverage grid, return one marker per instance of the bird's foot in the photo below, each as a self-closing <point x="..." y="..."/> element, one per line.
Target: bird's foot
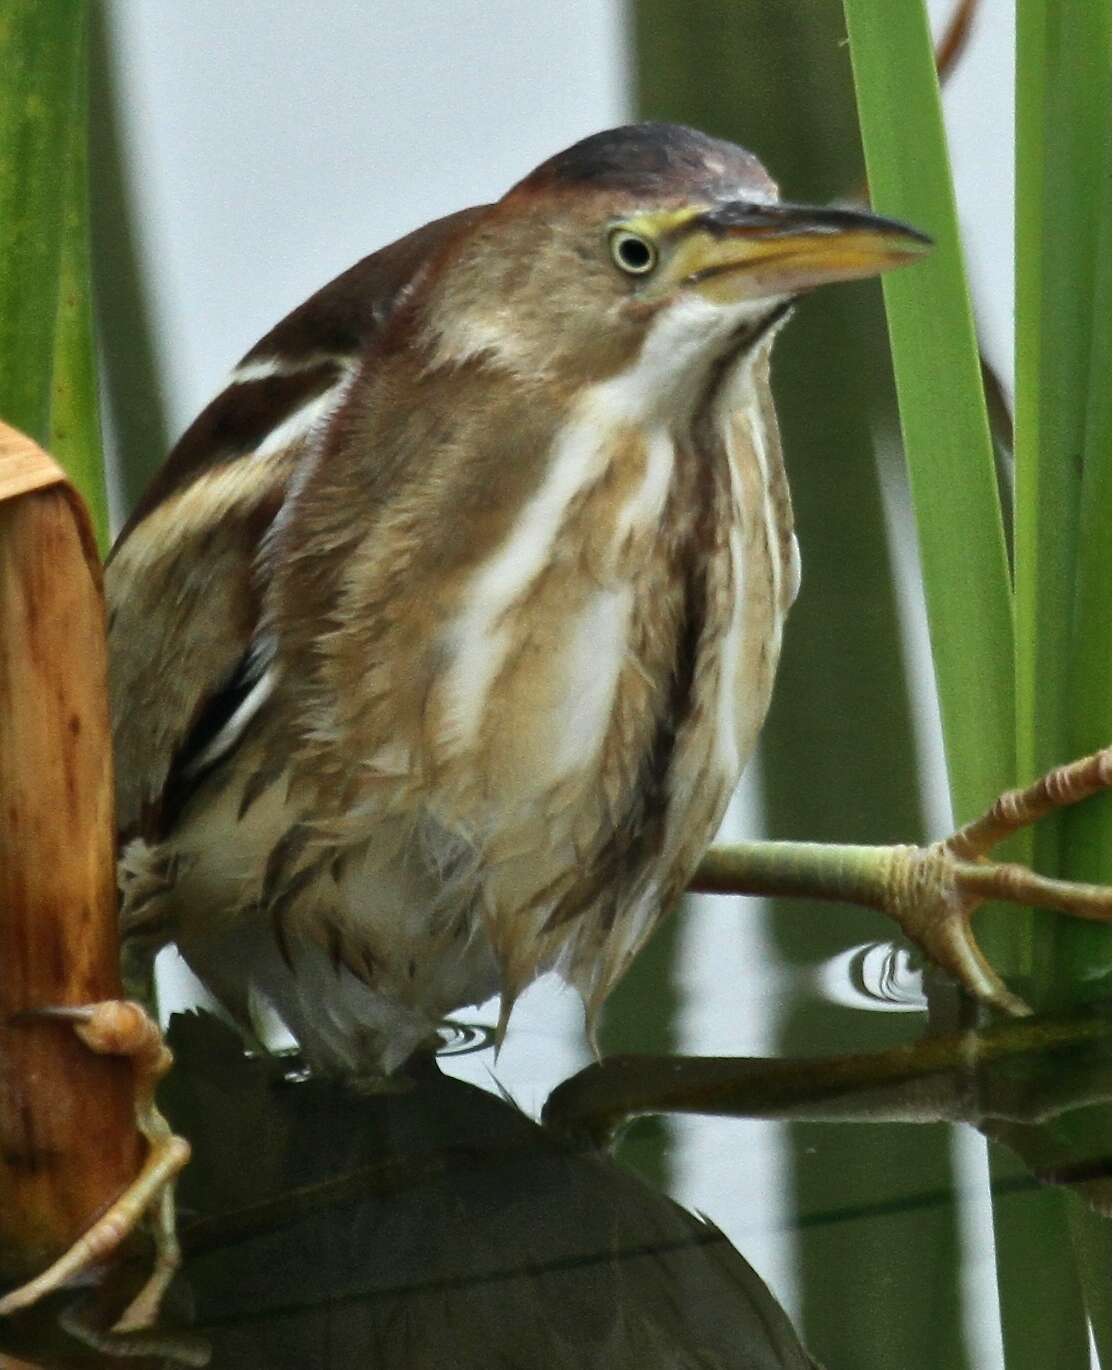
<point x="934" y="891"/>
<point x="121" y="1027"/>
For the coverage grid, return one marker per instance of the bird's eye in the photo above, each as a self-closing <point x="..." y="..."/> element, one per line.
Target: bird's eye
<point x="632" y="253"/>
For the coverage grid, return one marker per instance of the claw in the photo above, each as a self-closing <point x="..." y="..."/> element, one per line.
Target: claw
<point x="120" y="1027"/>
<point x="936" y="894"/>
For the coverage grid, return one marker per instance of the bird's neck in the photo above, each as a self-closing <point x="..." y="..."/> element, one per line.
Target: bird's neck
<point x="691" y="351"/>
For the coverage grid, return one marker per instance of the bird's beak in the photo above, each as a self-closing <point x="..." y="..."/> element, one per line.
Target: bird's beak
<point x="739" y="250"/>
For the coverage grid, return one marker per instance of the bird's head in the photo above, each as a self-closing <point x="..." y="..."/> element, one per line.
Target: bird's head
<point x="648" y="239"/>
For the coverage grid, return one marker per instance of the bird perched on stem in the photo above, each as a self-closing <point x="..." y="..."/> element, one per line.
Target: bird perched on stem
<point x="441" y="639"/>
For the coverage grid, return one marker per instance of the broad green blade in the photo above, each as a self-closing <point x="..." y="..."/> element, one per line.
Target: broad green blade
<point x="47" y="375"/>
<point x="1062" y="534"/>
<point x="1062" y="421"/>
<point x="1062" y="170"/>
<point x="1084" y="853"/>
<point x="942" y="407"/>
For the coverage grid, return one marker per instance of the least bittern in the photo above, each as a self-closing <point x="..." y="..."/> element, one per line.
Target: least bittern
<point x="441" y="639"/>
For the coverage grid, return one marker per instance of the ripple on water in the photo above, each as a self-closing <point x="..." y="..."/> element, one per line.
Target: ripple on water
<point x="878" y="976"/>
<point x="461" y="1039"/>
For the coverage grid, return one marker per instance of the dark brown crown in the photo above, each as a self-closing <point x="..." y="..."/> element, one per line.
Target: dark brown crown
<point x="652" y="160"/>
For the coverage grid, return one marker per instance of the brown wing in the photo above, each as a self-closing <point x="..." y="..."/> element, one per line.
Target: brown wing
<point x="183" y="602"/>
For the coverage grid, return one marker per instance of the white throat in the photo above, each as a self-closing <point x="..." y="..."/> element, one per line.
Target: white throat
<point x="687" y="338"/>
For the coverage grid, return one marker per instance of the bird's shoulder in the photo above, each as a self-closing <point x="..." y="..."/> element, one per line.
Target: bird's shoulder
<point x="182" y="583"/>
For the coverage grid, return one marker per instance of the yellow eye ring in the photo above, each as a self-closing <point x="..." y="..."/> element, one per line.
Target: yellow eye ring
<point x="632" y="253"/>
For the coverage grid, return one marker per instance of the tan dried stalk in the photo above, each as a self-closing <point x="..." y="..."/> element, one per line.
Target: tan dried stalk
<point x="68" y="1142"/>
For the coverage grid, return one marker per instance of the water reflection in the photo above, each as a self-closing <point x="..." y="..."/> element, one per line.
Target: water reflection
<point x="439" y="1226"/>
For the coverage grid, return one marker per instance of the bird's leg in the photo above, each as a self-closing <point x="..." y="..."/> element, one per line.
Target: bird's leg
<point x="933" y="891"/>
<point x="121" y="1027"/>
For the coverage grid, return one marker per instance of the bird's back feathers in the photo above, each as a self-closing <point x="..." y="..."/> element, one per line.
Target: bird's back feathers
<point x="183" y="593"/>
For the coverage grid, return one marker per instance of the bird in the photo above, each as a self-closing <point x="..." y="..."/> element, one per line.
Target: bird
<point x="439" y="642"/>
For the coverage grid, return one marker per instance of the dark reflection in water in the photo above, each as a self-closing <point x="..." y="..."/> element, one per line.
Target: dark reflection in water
<point x="441" y="1227"/>
<point x="437" y="1226"/>
<point x="432" y="1227"/>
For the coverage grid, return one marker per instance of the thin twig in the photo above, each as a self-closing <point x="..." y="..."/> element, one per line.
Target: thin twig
<point x="956" y="36"/>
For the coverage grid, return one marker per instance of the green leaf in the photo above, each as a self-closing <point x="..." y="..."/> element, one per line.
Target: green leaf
<point x="47" y="372"/>
<point x="1061" y="652"/>
<point x="942" y="407"/>
<point x="1084" y="854"/>
<point x="1062" y="419"/>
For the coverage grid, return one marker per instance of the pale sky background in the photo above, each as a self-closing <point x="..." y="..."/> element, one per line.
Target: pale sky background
<point x="272" y="143"/>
